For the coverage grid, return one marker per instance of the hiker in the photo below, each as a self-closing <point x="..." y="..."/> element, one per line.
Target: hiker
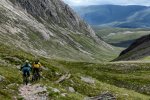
<point x="26" y="68"/>
<point x="36" y="68"/>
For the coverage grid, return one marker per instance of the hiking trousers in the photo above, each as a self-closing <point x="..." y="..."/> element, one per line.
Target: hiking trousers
<point x="26" y="72"/>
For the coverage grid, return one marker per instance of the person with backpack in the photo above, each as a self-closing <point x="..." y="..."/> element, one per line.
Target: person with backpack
<point x="26" y="68"/>
<point x="36" y="66"/>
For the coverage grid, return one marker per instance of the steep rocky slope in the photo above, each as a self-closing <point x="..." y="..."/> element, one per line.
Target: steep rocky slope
<point x="49" y="28"/>
<point x="137" y="50"/>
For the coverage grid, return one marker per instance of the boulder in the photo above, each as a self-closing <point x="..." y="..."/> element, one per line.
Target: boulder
<point x="71" y="89"/>
<point x="2" y="78"/>
<point x="88" y="80"/>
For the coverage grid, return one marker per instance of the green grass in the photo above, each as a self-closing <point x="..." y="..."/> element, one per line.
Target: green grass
<point x="122" y="80"/>
<point x="12" y="76"/>
<point x="120" y="38"/>
<point x="121" y="75"/>
<point x="146" y="58"/>
<point x="98" y="52"/>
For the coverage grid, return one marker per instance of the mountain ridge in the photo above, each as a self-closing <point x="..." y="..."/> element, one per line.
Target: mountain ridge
<point x="113" y="15"/>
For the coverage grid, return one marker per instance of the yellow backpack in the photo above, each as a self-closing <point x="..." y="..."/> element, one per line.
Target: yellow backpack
<point x="36" y="65"/>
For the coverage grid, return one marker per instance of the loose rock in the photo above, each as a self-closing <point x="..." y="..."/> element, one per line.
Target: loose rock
<point x="34" y="92"/>
<point x="2" y="78"/>
<point x="88" y="80"/>
<point x="71" y="89"/>
<point x="103" y="96"/>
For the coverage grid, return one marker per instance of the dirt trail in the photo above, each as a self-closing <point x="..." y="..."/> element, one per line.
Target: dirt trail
<point x="33" y="92"/>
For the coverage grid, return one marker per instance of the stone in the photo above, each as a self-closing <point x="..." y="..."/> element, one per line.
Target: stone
<point x="64" y="94"/>
<point x="71" y="89"/>
<point x="2" y="78"/>
<point x="56" y="90"/>
<point x="88" y="80"/>
<point x="33" y="92"/>
<point x="103" y="96"/>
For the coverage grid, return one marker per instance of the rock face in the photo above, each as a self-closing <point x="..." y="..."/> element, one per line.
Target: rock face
<point x="138" y="49"/>
<point x="49" y="28"/>
<point x="55" y="12"/>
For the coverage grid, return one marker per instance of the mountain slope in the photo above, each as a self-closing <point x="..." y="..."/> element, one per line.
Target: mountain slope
<point x="49" y="28"/>
<point x="137" y="50"/>
<point x="132" y="16"/>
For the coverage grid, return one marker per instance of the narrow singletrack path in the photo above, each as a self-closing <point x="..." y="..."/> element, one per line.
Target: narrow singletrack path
<point x="33" y="92"/>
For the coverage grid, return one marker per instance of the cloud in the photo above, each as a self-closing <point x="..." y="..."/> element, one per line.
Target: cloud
<point x="102" y="2"/>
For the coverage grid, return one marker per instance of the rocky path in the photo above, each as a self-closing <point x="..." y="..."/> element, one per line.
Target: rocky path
<point x="33" y="92"/>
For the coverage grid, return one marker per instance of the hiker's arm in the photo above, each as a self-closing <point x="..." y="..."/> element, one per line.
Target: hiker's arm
<point x="40" y="65"/>
<point x="30" y="67"/>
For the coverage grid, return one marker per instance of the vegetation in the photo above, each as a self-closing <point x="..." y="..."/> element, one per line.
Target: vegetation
<point x="124" y="80"/>
<point x="121" y="37"/>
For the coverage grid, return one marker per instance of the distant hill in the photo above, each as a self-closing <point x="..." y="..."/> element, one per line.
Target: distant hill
<point x="132" y="16"/>
<point x="140" y="19"/>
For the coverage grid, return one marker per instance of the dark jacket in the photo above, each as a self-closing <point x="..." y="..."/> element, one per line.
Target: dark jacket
<point x="26" y="66"/>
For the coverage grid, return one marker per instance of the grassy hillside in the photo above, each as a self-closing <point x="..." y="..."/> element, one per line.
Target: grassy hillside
<point x="121" y="37"/>
<point x="124" y="80"/>
<point x="138" y="50"/>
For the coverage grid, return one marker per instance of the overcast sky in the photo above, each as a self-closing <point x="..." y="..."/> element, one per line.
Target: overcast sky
<point x="102" y="2"/>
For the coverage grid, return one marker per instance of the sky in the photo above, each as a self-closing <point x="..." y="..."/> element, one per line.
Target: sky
<point x="102" y="2"/>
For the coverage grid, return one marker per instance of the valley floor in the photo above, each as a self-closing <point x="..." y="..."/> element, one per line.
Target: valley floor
<point x="83" y="80"/>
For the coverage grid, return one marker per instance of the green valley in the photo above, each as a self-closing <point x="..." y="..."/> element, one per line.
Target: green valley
<point x="78" y="62"/>
<point x="123" y="80"/>
<point x="121" y="37"/>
